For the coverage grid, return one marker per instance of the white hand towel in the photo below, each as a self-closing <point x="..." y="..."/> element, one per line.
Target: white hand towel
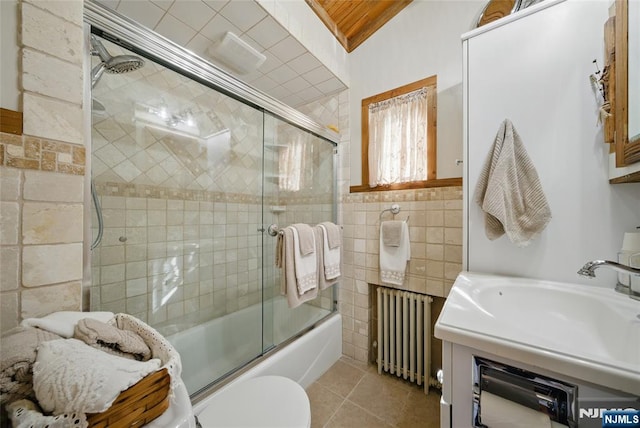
<point x="509" y="191"/>
<point x="306" y="266"/>
<point x="331" y="257"/>
<point x="323" y="282"/>
<point x="285" y="261"/>
<point x="63" y="323"/>
<point x="393" y="260"/>
<point x="71" y="376"/>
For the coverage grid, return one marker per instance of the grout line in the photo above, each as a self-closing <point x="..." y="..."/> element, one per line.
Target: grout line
<point x="334" y="412"/>
<point x="367" y="411"/>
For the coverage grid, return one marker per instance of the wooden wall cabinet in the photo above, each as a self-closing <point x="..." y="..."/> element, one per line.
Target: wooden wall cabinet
<point x="627" y="147"/>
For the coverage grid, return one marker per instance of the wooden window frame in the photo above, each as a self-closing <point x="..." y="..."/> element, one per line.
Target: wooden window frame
<point x="431" y="180"/>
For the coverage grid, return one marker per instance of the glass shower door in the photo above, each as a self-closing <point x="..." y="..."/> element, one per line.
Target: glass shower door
<point x="299" y="187"/>
<point x="177" y="172"/>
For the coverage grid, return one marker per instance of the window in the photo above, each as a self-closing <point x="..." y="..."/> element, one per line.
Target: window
<point x="399" y="138"/>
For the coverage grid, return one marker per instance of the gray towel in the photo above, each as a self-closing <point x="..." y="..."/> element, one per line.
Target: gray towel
<point x="112" y="340"/>
<point x="391" y="232"/>
<point x="509" y="191"/>
<point x="306" y="238"/>
<point x="333" y="234"/>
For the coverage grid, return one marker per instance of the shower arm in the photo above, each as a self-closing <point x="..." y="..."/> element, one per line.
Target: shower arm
<point x="96" y="74"/>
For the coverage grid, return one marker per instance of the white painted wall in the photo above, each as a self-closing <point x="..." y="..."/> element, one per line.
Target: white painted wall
<point x="422" y="40"/>
<point x="9" y="51"/>
<point x="541" y="83"/>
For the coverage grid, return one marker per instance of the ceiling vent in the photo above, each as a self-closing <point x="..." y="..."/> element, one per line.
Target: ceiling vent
<point x="237" y="54"/>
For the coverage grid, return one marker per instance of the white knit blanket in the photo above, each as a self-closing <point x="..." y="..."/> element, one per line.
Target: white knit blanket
<point x="63" y="323"/>
<point x="70" y="376"/>
<point x="26" y="414"/>
<point x="160" y="347"/>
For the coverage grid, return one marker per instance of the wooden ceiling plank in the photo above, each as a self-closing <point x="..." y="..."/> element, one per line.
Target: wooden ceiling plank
<point x="342" y="10"/>
<point x="353" y="21"/>
<point x="349" y="22"/>
<point x="367" y="12"/>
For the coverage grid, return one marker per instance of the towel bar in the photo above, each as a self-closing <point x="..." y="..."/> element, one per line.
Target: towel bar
<point x="395" y="209"/>
<point x="274" y="230"/>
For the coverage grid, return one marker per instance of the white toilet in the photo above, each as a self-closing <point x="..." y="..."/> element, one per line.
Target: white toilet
<point x="265" y="401"/>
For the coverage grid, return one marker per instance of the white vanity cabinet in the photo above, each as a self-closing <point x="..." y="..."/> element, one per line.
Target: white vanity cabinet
<point x="458" y="402"/>
<point x="521" y="352"/>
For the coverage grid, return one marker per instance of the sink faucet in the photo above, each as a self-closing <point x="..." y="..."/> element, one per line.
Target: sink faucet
<point x="589" y="270"/>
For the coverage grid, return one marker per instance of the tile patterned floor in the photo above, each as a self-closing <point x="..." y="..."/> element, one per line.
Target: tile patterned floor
<point x="353" y="395"/>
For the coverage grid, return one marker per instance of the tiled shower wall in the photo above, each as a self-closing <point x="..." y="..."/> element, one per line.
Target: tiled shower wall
<point x="163" y="259"/>
<point x="182" y="262"/>
<point x="41" y="172"/>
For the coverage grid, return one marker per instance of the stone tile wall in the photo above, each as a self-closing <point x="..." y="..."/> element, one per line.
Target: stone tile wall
<point x="435" y="230"/>
<point x="41" y="218"/>
<point x="41" y="172"/>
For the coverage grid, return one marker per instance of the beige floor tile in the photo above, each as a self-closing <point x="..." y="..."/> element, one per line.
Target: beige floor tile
<point x="353" y="395"/>
<point x="351" y="416"/>
<point x="324" y="404"/>
<point x="420" y="410"/>
<point x="383" y="396"/>
<point x="341" y="378"/>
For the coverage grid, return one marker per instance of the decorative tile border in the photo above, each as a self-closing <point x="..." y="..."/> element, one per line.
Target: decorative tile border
<point x="430" y="194"/>
<point x="26" y="152"/>
<point x="156" y="192"/>
<point x="130" y="190"/>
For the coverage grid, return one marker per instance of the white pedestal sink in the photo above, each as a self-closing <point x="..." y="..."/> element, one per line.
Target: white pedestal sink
<point x="586" y="332"/>
<point x="588" y="337"/>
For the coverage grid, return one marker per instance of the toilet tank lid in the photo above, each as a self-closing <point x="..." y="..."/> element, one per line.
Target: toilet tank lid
<point x="265" y="401"/>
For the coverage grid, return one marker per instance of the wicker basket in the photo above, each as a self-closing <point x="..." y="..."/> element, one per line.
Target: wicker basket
<point x="138" y="405"/>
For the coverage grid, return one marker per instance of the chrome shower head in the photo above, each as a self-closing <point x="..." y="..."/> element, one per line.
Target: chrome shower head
<point x="111" y="64"/>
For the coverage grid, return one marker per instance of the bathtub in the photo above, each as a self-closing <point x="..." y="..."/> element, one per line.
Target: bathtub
<point x="213" y="349"/>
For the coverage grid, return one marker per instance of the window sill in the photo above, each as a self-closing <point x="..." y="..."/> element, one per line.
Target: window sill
<point x="443" y="182"/>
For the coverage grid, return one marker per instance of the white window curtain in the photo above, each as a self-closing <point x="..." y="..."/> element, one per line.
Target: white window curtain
<point x="398" y="139"/>
<point x="295" y="163"/>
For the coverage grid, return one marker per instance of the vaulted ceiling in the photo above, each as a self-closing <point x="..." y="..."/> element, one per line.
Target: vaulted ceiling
<point x="354" y="21"/>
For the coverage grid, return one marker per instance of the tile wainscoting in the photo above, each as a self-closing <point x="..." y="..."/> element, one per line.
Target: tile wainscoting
<point x="435" y="228"/>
